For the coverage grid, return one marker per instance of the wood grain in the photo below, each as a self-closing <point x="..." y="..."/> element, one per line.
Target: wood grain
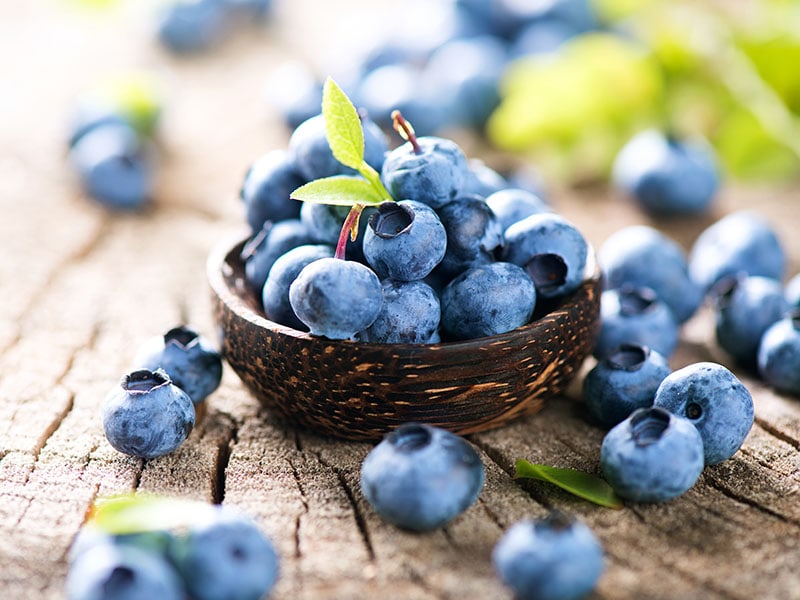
<point x="80" y="288"/>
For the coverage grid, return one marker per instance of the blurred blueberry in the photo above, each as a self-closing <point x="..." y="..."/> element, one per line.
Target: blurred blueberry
<point x="188" y="26"/>
<point x="665" y="175"/>
<point x="114" y="167"/>
<point x="623" y="381"/>
<point x="551" y="250"/>
<point x="225" y="557"/>
<point x="410" y="314"/>
<point x="404" y="240"/>
<point x="474" y="235"/>
<point x="154" y="542"/>
<point x="791" y="292"/>
<point x="336" y="298"/>
<point x="267" y="187"/>
<point x="285" y="269"/>
<point x="635" y="315"/>
<point x="779" y="354"/>
<point x="190" y="360"/>
<point x="274" y="239"/>
<point x="514" y="204"/>
<point x="643" y="256"/>
<point x="294" y="92"/>
<point x="146" y="415"/>
<point x="122" y="572"/>
<point x="90" y="114"/>
<point x="483" y="180"/>
<point x="420" y="477"/>
<point x="741" y="241"/>
<point x="487" y="300"/>
<point x="541" y="36"/>
<point x="745" y="308"/>
<point x="714" y="401"/>
<point x="556" y="558"/>
<point x="432" y="170"/>
<point x="652" y="456"/>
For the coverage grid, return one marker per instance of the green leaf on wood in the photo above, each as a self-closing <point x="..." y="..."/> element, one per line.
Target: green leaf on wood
<point x="125" y="514"/>
<point x="342" y="126"/>
<point x="342" y="190"/>
<point x="584" y="485"/>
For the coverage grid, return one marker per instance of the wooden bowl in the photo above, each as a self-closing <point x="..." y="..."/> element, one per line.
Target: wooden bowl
<point x="360" y="391"/>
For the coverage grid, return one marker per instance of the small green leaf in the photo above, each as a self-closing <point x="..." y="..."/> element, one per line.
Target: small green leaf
<point x="584" y="485"/>
<point x="342" y="190"/>
<point x="342" y="126"/>
<point x="136" y="513"/>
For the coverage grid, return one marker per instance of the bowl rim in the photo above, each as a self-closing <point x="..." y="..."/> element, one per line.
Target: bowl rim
<point x="218" y="273"/>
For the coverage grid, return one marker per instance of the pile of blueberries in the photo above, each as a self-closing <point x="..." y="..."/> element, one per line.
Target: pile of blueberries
<point x="460" y="253"/>
<point x="153" y="409"/>
<point x="220" y="554"/>
<point x="438" y="61"/>
<point x="192" y="26"/>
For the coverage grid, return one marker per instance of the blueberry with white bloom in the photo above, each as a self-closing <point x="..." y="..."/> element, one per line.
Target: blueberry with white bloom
<point x="779" y="354"/>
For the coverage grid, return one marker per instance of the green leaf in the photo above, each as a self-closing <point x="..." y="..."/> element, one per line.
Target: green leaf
<point x="342" y="126"/>
<point x="135" y="513"/>
<point x="342" y="190"/>
<point x="584" y="485"/>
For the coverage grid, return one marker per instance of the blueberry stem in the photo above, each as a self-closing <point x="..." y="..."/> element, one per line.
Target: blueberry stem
<point x="406" y="130"/>
<point x="349" y="229"/>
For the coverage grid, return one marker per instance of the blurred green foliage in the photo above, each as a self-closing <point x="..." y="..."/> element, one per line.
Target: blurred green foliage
<point x="729" y="72"/>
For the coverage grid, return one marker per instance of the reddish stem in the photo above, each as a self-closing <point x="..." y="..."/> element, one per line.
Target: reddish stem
<point x="406" y="131"/>
<point x="349" y="229"/>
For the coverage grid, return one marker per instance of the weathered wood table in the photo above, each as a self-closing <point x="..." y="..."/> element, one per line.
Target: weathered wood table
<point x="80" y="288"/>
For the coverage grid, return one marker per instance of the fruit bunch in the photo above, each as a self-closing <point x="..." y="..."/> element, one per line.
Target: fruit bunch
<point x="156" y="547"/>
<point x="153" y="409"/>
<point x="437" y="247"/>
<point x="111" y="141"/>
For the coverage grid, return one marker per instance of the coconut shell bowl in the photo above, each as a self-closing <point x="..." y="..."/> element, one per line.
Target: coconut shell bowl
<point x="360" y="391"/>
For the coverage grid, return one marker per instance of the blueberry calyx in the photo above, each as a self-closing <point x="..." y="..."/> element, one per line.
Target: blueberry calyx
<point x="628" y="357"/>
<point x="693" y="411"/>
<point x="410" y="437"/>
<point x="636" y="300"/>
<point x="391" y="219"/>
<point x="143" y="381"/>
<point x="182" y="336"/>
<point x="556" y="520"/>
<point x="648" y="425"/>
<point x="548" y="271"/>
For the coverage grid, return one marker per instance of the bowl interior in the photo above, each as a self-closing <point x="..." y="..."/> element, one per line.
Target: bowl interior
<point x="358" y="390"/>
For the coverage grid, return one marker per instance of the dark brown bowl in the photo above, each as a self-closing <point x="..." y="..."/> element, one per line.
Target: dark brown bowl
<point x="361" y="391"/>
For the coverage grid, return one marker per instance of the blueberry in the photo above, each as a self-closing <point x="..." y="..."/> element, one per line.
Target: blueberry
<point x="433" y="170"/>
<point x="474" y="235"/>
<point x="275" y="294"/>
<point x="666" y="175"/>
<point x="542" y="36"/>
<point x="420" y="477"/>
<point x="114" y="166"/>
<point x="487" y="300"/>
<point x="189" y="359"/>
<point x="410" y="314"/>
<point x="556" y="558"/>
<point x="294" y="92"/>
<point x="324" y="224"/>
<point x="405" y="240"/>
<point x="623" y="381"/>
<point x="635" y="315"/>
<point x="122" y="572"/>
<point x="652" y="456"/>
<point x="466" y="72"/>
<point x="714" y="401"/>
<point x="745" y="308"/>
<point x="146" y="415"/>
<point x="226" y="557"/>
<point x="514" y="204"/>
<point x="791" y="292"/>
<point x="274" y="240"/>
<point x="91" y="114"/>
<point x="188" y="26"/>
<point x="742" y="241"/>
<point x="643" y="256"/>
<point x="154" y="542"/>
<point x="336" y="298"/>
<point x="312" y="155"/>
<point x="551" y="250"/>
<point x="483" y="180"/>
<point x="779" y="354"/>
<point x="267" y="187"/>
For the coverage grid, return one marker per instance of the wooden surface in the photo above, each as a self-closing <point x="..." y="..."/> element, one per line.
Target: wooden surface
<point x="80" y="288"/>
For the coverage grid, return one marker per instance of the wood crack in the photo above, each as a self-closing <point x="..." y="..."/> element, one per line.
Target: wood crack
<point x="718" y="485"/>
<point x="777" y="433"/>
<point x="304" y="502"/>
